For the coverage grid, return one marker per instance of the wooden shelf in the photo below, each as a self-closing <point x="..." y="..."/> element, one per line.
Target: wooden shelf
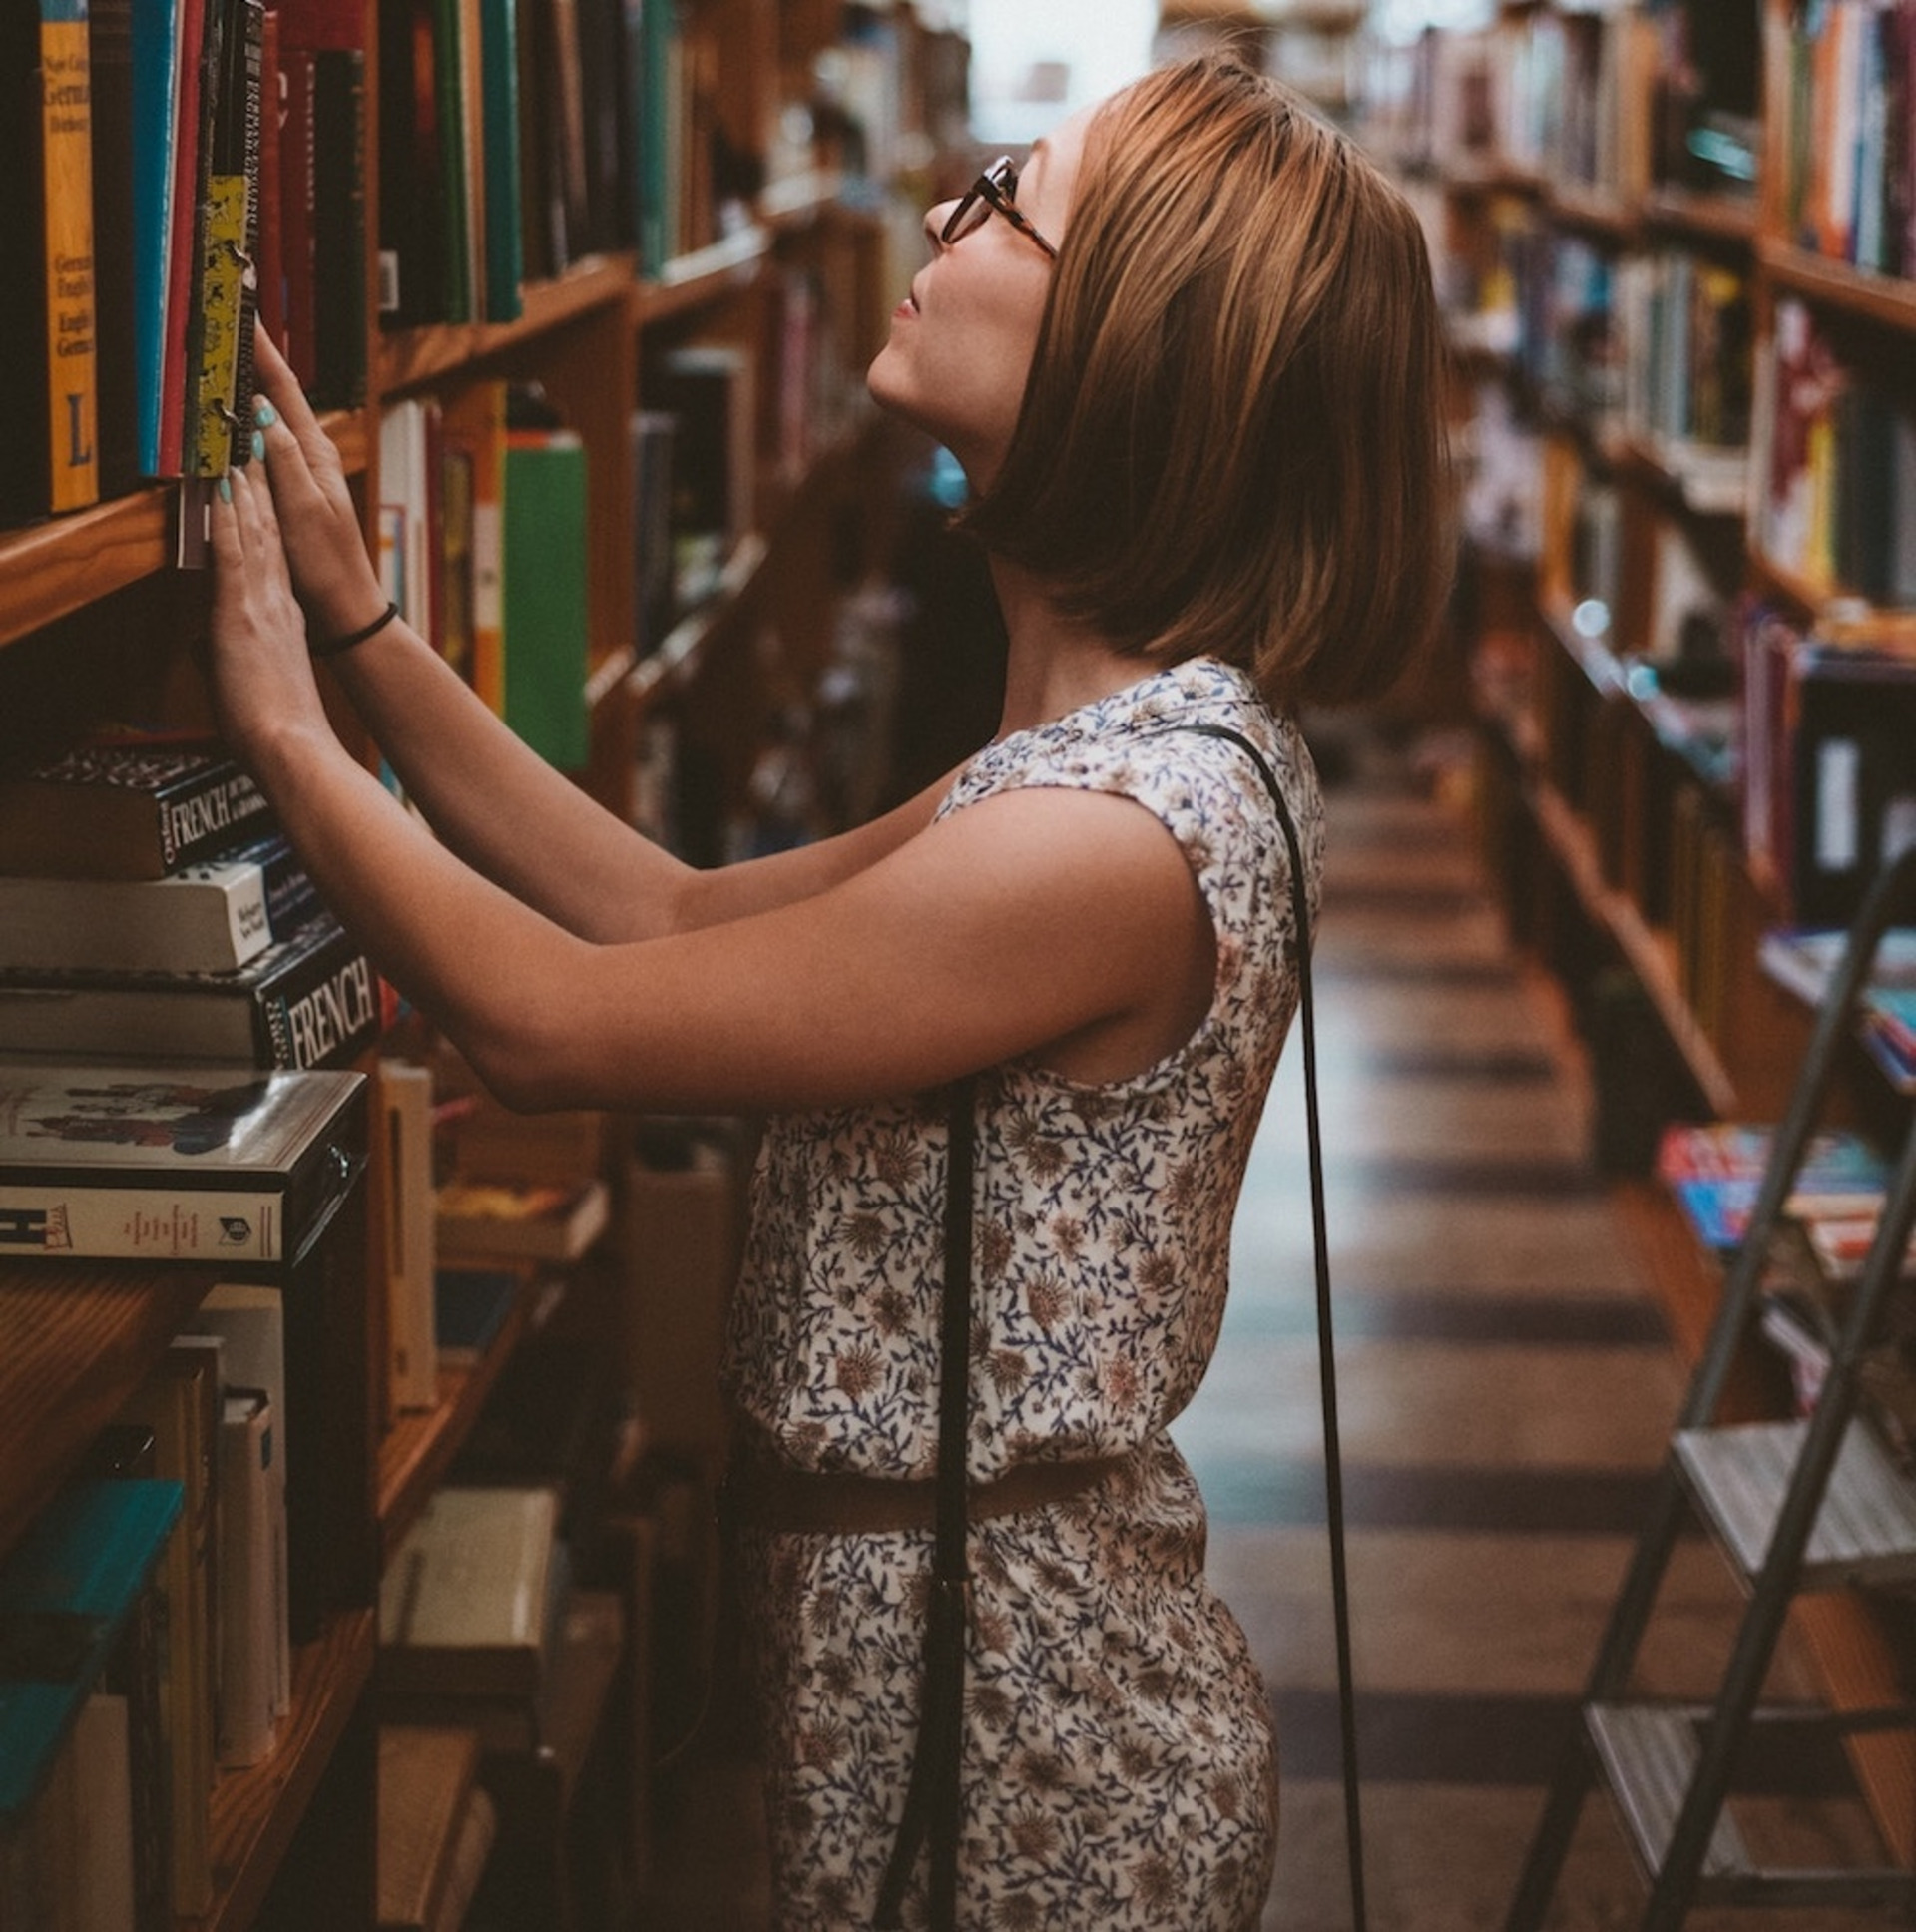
<point x="81" y="1338"/>
<point x="419" y="1448"/>
<point x="405" y="358"/>
<point x="695" y="280"/>
<point x="1596" y="211"/>
<point x="50" y="570"/>
<point x="257" y="1811"/>
<point x="1837" y="285"/>
<point x="1714" y="218"/>
<point x="1652" y="955"/>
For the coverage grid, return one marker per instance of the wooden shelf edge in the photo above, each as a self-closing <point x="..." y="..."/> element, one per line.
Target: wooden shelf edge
<point x="52" y="569"/>
<point x="419" y="1448"/>
<point x="1721" y="217"/>
<point x="405" y="358"/>
<point x="80" y="1337"/>
<point x="1646" y="952"/>
<point x="257" y="1811"/>
<point x="1840" y="285"/>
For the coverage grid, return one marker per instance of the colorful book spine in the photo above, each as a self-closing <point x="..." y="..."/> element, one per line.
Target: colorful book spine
<point x="157" y="28"/>
<point x="499" y="87"/>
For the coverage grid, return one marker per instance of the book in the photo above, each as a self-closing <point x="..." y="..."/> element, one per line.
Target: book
<point x="545" y="619"/>
<point x="126" y="811"/>
<point x="497" y="1220"/>
<point x="427" y="1775"/>
<point x="469" y="1307"/>
<point x="152" y="1163"/>
<point x="247" y="1322"/>
<point x="308" y="1001"/>
<point x="1715" y="1170"/>
<point x="71" y="1864"/>
<point x="327" y="37"/>
<point x="47" y="418"/>
<point x="207" y="919"/>
<point x="710" y="389"/>
<point x="159" y="40"/>
<point x="110" y="55"/>
<point x="248" y="1635"/>
<point x="499" y="109"/>
<point x="412" y="1356"/>
<point x="1803" y="959"/>
<point x="414" y="218"/>
<point x="466" y="1604"/>
<point x="179" y="1408"/>
<point x="69" y="1591"/>
<point x="473" y="440"/>
<point x="227" y="287"/>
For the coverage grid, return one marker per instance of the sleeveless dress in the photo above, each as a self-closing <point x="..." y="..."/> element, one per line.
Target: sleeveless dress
<point x="1119" y="1762"/>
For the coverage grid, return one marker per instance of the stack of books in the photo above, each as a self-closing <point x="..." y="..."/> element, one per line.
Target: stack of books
<point x="149" y="907"/>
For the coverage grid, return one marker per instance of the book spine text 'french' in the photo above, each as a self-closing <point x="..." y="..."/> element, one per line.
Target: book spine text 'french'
<point x="126" y="1222"/>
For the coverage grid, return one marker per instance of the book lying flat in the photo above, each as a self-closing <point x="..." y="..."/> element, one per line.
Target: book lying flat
<point x="117" y="811"/>
<point x="466" y="1604"/>
<point x="162" y="1163"/>
<point x="1716" y="1170"/>
<point x="312" y="1000"/>
<point x="496" y="1221"/>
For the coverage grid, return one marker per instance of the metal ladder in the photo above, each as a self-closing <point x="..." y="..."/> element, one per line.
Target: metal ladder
<point x="1798" y="1506"/>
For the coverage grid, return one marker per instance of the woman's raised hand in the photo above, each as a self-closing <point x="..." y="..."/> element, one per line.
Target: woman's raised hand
<point x="318" y="526"/>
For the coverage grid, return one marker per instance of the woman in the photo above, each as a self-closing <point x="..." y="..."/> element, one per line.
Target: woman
<point x="1189" y="358"/>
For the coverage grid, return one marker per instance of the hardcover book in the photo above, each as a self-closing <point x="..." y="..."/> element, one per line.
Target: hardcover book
<point x="248" y="1649"/>
<point x="69" y="1589"/>
<point x="47" y="411"/>
<point x="312" y="1000"/>
<point x="466" y="1605"/>
<point x="127" y="811"/>
<point x="170" y="1163"/>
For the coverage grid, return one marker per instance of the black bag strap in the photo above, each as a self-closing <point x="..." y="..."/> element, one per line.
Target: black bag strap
<point x="1326" y="1358"/>
<point x="934" y="1799"/>
<point x="934" y="1796"/>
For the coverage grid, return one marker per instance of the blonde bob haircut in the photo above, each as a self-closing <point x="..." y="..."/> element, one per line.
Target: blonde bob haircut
<point x="1231" y="437"/>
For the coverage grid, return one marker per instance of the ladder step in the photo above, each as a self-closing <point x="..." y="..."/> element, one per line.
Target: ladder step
<point x="1865" y="1531"/>
<point x="1648" y="1754"/>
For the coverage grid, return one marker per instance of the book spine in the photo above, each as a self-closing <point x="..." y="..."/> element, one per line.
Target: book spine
<point x="200" y="820"/>
<point x="323" y="1010"/>
<point x="248" y="1665"/>
<point x="182" y="200"/>
<point x="114" y="191"/>
<point x="126" y="1220"/>
<point x="252" y="148"/>
<point x="192" y="231"/>
<point x="155" y="65"/>
<point x="339" y="197"/>
<point x="505" y="245"/>
<point x="66" y="188"/>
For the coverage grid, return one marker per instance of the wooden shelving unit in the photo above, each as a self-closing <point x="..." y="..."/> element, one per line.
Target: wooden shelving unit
<point x="83" y="597"/>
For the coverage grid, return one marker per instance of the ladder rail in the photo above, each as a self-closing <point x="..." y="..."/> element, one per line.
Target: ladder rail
<point x="1894" y="888"/>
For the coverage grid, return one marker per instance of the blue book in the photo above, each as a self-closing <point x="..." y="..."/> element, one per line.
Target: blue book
<point x="156" y="60"/>
<point x="67" y="1590"/>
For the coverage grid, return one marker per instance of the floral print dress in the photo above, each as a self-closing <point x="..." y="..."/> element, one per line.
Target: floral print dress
<point x="1118" y="1764"/>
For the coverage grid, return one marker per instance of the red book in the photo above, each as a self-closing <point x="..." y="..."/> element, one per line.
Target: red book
<point x="272" y="120"/>
<point x="296" y="76"/>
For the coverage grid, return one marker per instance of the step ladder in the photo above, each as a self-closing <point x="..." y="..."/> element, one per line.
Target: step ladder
<point x="1807" y="1505"/>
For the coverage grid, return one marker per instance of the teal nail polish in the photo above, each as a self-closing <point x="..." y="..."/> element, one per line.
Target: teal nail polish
<point x="225" y="489"/>
<point x="260" y="445"/>
<point x="264" y="413"/>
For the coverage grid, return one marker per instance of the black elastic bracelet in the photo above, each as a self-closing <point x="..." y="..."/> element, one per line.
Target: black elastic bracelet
<point x="332" y="647"/>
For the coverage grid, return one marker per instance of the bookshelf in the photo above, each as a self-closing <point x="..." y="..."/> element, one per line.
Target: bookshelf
<point x="803" y="138"/>
<point x="1624" y="216"/>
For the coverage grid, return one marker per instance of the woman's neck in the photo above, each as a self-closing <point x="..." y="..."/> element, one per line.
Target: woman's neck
<point x="1055" y="664"/>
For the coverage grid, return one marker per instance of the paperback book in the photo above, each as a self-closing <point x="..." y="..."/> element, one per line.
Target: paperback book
<point x="1716" y="1169"/>
<point x="169" y="1163"/>
<point x="312" y="1000"/>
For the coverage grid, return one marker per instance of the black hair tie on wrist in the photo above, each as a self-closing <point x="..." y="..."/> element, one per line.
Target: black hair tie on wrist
<point x="332" y="647"/>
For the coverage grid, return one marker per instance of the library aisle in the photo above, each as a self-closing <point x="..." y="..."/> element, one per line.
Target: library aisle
<point x="1506" y="1384"/>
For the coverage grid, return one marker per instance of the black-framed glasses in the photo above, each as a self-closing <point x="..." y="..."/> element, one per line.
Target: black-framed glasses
<point x="993" y="193"/>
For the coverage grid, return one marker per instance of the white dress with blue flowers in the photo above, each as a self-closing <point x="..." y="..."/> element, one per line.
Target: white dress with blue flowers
<point x="1118" y="1768"/>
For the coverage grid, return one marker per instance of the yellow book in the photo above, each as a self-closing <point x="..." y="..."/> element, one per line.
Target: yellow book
<point x="66" y="186"/>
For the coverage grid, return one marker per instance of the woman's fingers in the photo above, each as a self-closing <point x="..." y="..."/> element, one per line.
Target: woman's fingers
<point x="280" y="387"/>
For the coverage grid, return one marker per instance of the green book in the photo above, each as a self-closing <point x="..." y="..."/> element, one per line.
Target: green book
<point x="498" y="108"/>
<point x="67" y="1590"/>
<point x="545" y="593"/>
